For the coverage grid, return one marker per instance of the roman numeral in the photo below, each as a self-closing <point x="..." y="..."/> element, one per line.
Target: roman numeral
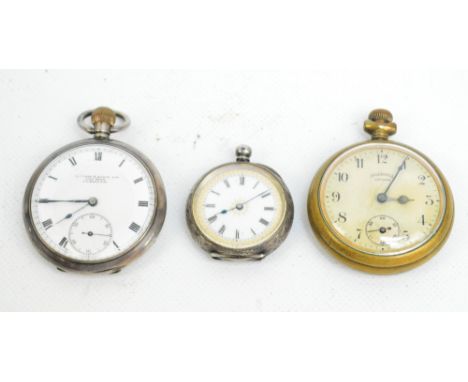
<point x="222" y="230"/>
<point x="63" y="243"/>
<point x="269" y="208"/>
<point x="138" y="180"/>
<point x="98" y="155"/>
<point x="264" y="222"/>
<point x="134" y="227"/>
<point x="213" y="219"/>
<point x="47" y="224"/>
<point x="72" y="161"/>
<point x="143" y="203"/>
<point x="237" y="234"/>
<point x="226" y="182"/>
<point x="242" y="180"/>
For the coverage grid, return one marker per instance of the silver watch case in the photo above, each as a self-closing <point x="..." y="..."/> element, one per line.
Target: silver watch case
<point x="255" y="253"/>
<point x="113" y="265"/>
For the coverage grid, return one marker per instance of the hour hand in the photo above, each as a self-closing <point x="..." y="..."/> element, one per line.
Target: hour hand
<point x="402" y="199"/>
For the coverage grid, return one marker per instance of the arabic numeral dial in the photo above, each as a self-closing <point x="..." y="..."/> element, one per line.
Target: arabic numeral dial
<point x="382" y="199"/>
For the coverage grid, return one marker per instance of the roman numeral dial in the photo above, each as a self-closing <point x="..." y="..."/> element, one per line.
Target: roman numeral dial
<point x="240" y="206"/>
<point x="93" y="202"/>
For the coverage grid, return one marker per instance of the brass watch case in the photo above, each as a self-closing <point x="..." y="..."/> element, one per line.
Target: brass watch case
<point x="366" y="262"/>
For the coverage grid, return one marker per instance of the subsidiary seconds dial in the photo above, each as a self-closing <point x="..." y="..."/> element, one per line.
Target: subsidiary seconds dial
<point x="90" y="234"/>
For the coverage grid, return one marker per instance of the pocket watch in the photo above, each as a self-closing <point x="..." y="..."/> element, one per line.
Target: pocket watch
<point x="381" y="206"/>
<point x="240" y="210"/>
<point x="96" y="204"/>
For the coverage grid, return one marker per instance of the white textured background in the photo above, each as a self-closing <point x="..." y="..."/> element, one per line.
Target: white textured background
<point x="188" y="122"/>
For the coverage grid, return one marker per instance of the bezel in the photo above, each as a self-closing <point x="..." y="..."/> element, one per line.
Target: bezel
<point x="115" y="264"/>
<point x="365" y="261"/>
<point x="256" y="252"/>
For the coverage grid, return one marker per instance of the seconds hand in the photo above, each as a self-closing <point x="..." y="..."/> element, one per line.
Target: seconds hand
<point x="91" y="233"/>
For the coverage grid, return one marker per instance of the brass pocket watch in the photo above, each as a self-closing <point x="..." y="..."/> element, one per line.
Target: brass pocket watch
<point x="96" y="204"/>
<point x="380" y="206"/>
<point x="240" y="210"/>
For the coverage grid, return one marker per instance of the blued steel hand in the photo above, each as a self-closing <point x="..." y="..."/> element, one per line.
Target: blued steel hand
<point x="240" y="206"/>
<point x="90" y="202"/>
<point x="70" y="215"/>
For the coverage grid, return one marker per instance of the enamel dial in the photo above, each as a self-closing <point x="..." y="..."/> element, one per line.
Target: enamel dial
<point x="239" y="206"/>
<point x="382" y="199"/>
<point x="93" y="202"/>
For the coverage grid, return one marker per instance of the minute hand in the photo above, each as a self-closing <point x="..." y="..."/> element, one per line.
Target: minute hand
<point x="239" y="206"/>
<point x="400" y="168"/>
<point x="63" y="201"/>
<point x="255" y="197"/>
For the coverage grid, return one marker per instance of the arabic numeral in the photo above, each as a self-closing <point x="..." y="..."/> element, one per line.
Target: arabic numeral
<point x="422" y="180"/>
<point x="342" y="176"/>
<point x="405" y="235"/>
<point x="359" y="162"/>
<point x="358" y="234"/>
<point x="382" y="158"/>
<point x="335" y="196"/>
<point x="429" y="200"/>
<point x="342" y="218"/>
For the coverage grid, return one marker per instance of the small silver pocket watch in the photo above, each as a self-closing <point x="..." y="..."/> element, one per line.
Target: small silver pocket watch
<point x="96" y="204"/>
<point x="240" y="210"/>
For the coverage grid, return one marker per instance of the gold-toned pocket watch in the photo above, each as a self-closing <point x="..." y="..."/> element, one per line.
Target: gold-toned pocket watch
<point x="380" y="206"/>
<point x="96" y="204"/>
<point x="240" y="210"/>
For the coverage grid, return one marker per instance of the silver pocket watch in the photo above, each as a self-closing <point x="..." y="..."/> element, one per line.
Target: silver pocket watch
<point x="240" y="210"/>
<point x="96" y="204"/>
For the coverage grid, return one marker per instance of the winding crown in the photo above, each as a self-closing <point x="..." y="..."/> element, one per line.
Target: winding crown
<point x="380" y="124"/>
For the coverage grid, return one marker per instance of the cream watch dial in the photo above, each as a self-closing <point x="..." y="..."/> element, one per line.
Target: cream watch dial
<point x="382" y="199"/>
<point x="93" y="202"/>
<point x="239" y="206"/>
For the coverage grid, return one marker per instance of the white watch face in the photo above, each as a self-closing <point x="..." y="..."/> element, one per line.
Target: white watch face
<point x="93" y="202"/>
<point x="382" y="199"/>
<point x="239" y="206"/>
